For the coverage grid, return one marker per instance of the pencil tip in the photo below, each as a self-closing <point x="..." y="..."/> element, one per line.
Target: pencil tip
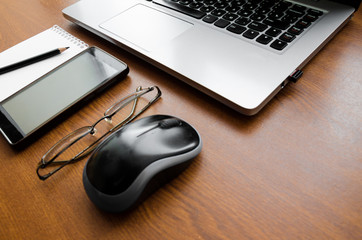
<point x="62" y="49"/>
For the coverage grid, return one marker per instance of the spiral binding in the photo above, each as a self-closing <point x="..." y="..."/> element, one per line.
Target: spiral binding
<point x="69" y="36"/>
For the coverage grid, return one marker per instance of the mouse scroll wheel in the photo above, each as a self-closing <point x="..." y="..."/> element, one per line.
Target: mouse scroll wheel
<point x="169" y="123"/>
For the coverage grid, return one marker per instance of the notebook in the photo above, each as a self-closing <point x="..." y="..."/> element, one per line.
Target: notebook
<point x="52" y="38"/>
<point x="241" y="52"/>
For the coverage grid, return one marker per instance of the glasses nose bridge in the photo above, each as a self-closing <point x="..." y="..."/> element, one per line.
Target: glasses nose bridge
<point x="79" y="134"/>
<point x="93" y="127"/>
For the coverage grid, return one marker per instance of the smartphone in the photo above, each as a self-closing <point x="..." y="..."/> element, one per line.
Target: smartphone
<point x="32" y="107"/>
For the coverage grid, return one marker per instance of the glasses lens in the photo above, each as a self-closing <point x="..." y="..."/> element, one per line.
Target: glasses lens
<point x="125" y="101"/>
<point x="137" y="103"/>
<point x="81" y="142"/>
<point x="64" y="144"/>
<point x="122" y="113"/>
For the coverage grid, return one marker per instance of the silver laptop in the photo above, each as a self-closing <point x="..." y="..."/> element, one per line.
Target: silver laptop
<point x="240" y="52"/>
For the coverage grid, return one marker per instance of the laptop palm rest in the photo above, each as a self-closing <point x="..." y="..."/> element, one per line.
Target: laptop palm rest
<point x="145" y="27"/>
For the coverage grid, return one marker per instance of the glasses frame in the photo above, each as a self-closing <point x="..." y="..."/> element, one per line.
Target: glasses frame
<point x="108" y="114"/>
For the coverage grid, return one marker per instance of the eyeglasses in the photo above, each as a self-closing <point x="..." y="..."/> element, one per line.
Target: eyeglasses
<point x="139" y="105"/>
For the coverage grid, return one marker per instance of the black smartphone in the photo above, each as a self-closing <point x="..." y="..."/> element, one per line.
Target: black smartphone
<point x="29" y="109"/>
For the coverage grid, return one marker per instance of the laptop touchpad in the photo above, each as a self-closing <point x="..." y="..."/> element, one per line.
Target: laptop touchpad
<point x="145" y="27"/>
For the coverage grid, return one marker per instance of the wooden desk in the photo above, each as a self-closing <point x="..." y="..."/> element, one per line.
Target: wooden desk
<point x="294" y="171"/>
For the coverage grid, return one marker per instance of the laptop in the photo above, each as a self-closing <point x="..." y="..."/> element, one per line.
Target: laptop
<point x="240" y="52"/>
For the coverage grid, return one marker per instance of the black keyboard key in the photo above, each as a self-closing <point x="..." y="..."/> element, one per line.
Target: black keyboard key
<point x="255" y="1"/>
<point x="237" y="3"/>
<point x="243" y="21"/>
<point x="235" y="28"/>
<point x="209" y="19"/>
<point x="250" y="6"/>
<point x="244" y="13"/>
<point x="196" y="5"/>
<point x="302" y="24"/>
<point x="275" y="15"/>
<point x="230" y="16"/>
<point x="310" y="18"/>
<point x="299" y="8"/>
<point x="251" y="34"/>
<point x="207" y="9"/>
<point x="287" y="37"/>
<point x="264" y="39"/>
<point x="257" y="17"/>
<point x="208" y="2"/>
<point x="220" y="5"/>
<point x="295" y="30"/>
<point x="181" y="8"/>
<point x="315" y="12"/>
<point x="273" y="32"/>
<point x="278" y="45"/>
<point x="262" y="10"/>
<point x="218" y="12"/>
<point x="289" y="19"/>
<point x="221" y="23"/>
<point x="292" y="12"/>
<point x="276" y="23"/>
<point x="184" y="2"/>
<point x="258" y="26"/>
<point x="282" y="6"/>
<point x="232" y="9"/>
<point x="267" y="4"/>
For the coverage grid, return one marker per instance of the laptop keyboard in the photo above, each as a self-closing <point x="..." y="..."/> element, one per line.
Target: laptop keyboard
<point x="273" y="23"/>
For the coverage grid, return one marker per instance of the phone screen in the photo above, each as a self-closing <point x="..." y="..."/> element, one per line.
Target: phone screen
<point x="57" y="91"/>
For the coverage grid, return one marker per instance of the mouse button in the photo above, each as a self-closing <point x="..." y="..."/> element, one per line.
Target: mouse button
<point x="182" y="139"/>
<point x="110" y="168"/>
<point x="139" y="128"/>
<point x="160" y="143"/>
<point x="169" y="123"/>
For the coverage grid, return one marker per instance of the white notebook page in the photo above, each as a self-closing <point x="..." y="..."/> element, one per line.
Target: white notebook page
<point x="50" y="39"/>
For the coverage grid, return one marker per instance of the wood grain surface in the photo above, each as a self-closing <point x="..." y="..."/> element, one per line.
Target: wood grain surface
<point x="294" y="171"/>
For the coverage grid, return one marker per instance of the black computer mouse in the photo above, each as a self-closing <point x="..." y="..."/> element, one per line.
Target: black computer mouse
<point x="137" y="159"/>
